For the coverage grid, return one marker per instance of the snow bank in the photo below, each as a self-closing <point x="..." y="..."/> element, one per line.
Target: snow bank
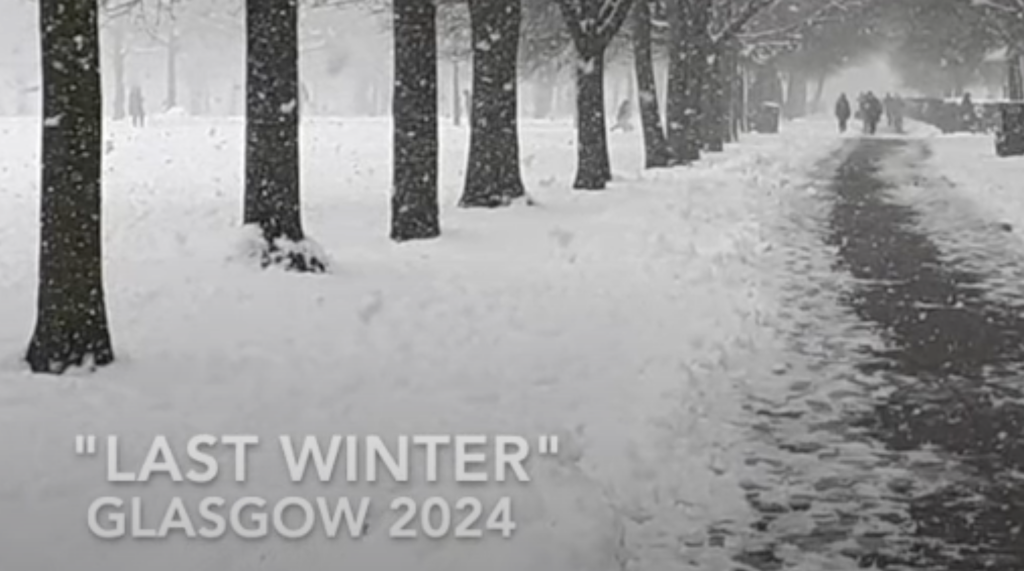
<point x="622" y="321"/>
<point x="990" y="182"/>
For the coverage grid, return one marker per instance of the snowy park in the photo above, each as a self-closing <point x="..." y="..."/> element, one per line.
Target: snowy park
<point x="767" y="333"/>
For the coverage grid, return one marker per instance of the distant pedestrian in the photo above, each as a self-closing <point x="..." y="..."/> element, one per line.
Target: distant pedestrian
<point x="898" y="109"/>
<point x="968" y="115"/>
<point x="136" y="107"/>
<point x="622" y="118"/>
<point x="887" y="105"/>
<point x="871" y="111"/>
<point x="843" y="112"/>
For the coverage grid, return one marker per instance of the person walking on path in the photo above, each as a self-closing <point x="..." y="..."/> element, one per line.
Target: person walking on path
<point x="871" y="109"/>
<point x="897" y="113"/>
<point x="843" y="112"/>
<point x="136" y="107"/>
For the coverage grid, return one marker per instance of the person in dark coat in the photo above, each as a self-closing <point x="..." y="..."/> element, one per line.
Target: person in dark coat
<point x="968" y="115"/>
<point x="136" y="107"/>
<point x="887" y="106"/>
<point x="843" y="112"/>
<point x="872" y="111"/>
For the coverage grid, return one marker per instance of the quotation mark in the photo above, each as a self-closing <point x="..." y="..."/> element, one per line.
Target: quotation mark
<point x="548" y="445"/>
<point x="85" y="445"/>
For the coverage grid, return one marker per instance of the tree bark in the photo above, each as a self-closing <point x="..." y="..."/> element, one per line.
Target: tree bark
<point x="414" y="204"/>
<point x="592" y="25"/>
<point x="593" y="169"/>
<point x="714" y="103"/>
<point x="683" y="106"/>
<point x="272" y="133"/>
<point x="492" y="175"/>
<point x="1015" y="84"/>
<point x="655" y="147"/>
<point x="71" y="320"/>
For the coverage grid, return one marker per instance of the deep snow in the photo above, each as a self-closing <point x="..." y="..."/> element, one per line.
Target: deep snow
<point x="623" y="321"/>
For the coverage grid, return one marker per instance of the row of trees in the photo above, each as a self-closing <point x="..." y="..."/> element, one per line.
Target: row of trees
<point x="703" y="43"/>
<point x="940" y="47"/>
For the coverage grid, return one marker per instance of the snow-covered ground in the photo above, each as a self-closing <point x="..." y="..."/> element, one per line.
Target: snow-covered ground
<point x="617" y="320"/>
<point x="993" y="183"/>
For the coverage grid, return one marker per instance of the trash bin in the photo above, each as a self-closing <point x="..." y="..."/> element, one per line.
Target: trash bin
<point x="1010" y="133"/>
<point x="766" y="119"/>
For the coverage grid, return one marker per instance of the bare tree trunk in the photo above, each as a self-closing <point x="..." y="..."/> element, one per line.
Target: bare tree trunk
<point x="272" y="133"/>
<point x="683" y="108"/>
<point x="655" y="147"/>
<point x="714" y="103"/>
<point x="492" y="175"/>
<point x="71" y="320"/>
<point x="1015" y="85"/>
<point x="593" y="165"/>
<point x="414" y="203"/>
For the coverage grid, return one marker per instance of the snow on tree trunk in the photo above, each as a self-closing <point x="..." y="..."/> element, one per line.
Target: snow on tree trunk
<point x="71" y="321"/>
<point x="414" y="203"/>
<point x="272" y="135"/>
<point x="655" y="146"/>
<point x="492" y="174"/>
<point x="593" y="167"/>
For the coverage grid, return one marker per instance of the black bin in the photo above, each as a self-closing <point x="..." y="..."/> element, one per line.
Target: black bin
<point x="1010" y="133"/>
<point x="766" y="119"/>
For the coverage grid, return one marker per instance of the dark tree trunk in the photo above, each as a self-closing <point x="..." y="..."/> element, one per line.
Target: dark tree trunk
<point x="414" y="206"/>
<point x="655" y="147"/>
<point x="1015" y="84"/>
<point x="714" y="103"/>
<point x="492" y="175"/>
<point x="119" y="86"/>
<point x="593" y="170"/>
<point x="71" y="321"/>
<point x="684" y="83"/>
<point x="456" y="94"/>
<point x="272" y="133"/>
<point x="592" y="25"/>
<point x="729" y="93"/>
